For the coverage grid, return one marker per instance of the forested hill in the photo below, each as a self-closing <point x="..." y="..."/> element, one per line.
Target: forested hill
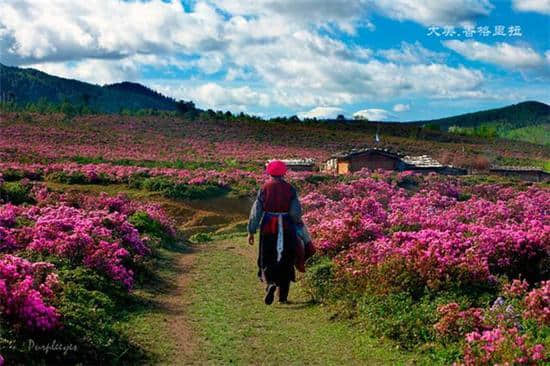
<point x="24" y="86"/>
<point x="519" y="115"/>
<point x="529" y="121"/>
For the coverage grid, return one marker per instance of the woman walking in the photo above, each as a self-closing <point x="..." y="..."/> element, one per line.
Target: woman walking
<point x="277" y="213"/>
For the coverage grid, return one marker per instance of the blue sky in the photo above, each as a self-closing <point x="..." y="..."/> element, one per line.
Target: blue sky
<point x="384" y="59"/>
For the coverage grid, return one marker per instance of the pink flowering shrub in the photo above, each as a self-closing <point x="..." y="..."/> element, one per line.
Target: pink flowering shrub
<point x="96" y="255"/>
<point x="108" y="173"/>
<point x="26" y="291"/>
<point x="501" y="333"/>
<point x="401" y="252"/>
<point x="440" y="237"/>
<point x="90" y="231"/>
<point x="503" y="347"/>
<point x="153" y="179"/>
<point x="454" y="323"/>
<point x="517" y="288"/>
<point x="97" y="239"/>
<point x="537" y="304"/>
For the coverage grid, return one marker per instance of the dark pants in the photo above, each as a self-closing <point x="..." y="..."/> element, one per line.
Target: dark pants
<point x="283" y="290"/>
<point x="269" y="269"/>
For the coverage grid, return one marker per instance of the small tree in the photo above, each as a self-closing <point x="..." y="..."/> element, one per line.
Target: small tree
<point x="68" y="109"/>
<point x="184" y="107"/>
<point x="360" y="117"/>
<point x="294" y="119"/>
<point x="340" y="117"/>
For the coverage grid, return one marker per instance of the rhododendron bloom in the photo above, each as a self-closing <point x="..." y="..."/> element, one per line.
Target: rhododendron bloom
<point x="537" y="304"/>
<point x="25" y="289"/>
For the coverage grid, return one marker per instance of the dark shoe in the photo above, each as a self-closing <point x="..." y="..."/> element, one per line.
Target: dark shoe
<point x="283" y="302"/>
<point x="270" y="294"/>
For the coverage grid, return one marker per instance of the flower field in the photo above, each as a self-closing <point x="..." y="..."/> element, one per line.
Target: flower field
<point x="470" y="262"/>
<point x="110" y="138"/>
<point x="454" y="269"/>
<point x="172" y="183"/>
<point x="64" y="261"/>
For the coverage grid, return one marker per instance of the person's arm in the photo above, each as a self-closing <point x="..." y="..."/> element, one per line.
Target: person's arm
<point x="295" y="213"/>
<point x="256" y="214"/>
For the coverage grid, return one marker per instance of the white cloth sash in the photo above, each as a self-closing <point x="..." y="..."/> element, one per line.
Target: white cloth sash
<point x="280" y="233"/>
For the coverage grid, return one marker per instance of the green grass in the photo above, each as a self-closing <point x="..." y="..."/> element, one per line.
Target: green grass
<point x="543" y="164"/>
<point x="236" y="327"/>
<point x="145" y="323"/>
<point x="222" y="303"/>
<point x="538" y="134"/>
<point x="112" y="190"/>
<point x="177" y="164"/>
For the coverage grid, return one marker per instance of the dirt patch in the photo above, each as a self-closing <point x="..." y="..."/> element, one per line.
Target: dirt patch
<point x="192" y="230"/>
<point x="181" y="213"/>
<point x="205" y="218"/>
<point x="235" y="227"/>
<point x="225" y="205"/>
<point x="178" y="321"/>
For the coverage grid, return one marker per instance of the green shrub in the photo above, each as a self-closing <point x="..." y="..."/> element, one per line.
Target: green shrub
<point x="195" y="191"/>
<point x="11" y="175"/>
<point x="316" y="179"/>
<point x="463" y="197"/>
<point x="408" y="182"/>
<point x="319" y="278"/>
<point x="201" y="238"/>
<point x="432" y="126"/>
<point x="135" y="181"/>
<point x="146" y="225"/>
<point x="23" y="222"/>
<point x="400" y="317"/>
<point x="16" y="193"/>
<point x="157" y="184"/>
<point x="66" y="178"/>
<point x="91" y="305"/>
<point x="172" y="189"/>
<point x="231" y="163"/>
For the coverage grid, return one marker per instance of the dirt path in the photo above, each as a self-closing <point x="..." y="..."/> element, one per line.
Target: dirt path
<point x="224" y="320"/>
<point x="205" y="304"/>
<point x="184" y="340"/>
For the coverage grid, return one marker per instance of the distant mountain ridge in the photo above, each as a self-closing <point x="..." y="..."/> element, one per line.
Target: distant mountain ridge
<point x="31" y="86"/>
<point x="528" y="121"/>
<point x="519" y="115"/>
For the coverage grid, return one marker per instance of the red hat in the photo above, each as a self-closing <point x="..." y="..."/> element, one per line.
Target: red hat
<point x="276" y="168"/>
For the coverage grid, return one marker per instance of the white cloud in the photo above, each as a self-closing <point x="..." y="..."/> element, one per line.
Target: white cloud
<point x="518" y="58"/>
<point x="92" y="71"/>
<point x="321" y="112"/>
<point x="300" y="68"/>
<point x="401" y="107"/>
<point x="57" y="30"/>
<point x="211" y="62"/>
<point x="374" y="114"/>
<point x="286" y="51"/>
<point x="539" y="6"/>
<point x="214" y="96"/>
<point x="438" y="12"/>
<point x="412" y="54"/>
<point x="343" y="14"/>
<point x="107" y="71"/>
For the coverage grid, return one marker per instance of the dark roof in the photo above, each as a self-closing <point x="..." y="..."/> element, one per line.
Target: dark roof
<point x="355" y="152"/>
<point x="422" y="161"/>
